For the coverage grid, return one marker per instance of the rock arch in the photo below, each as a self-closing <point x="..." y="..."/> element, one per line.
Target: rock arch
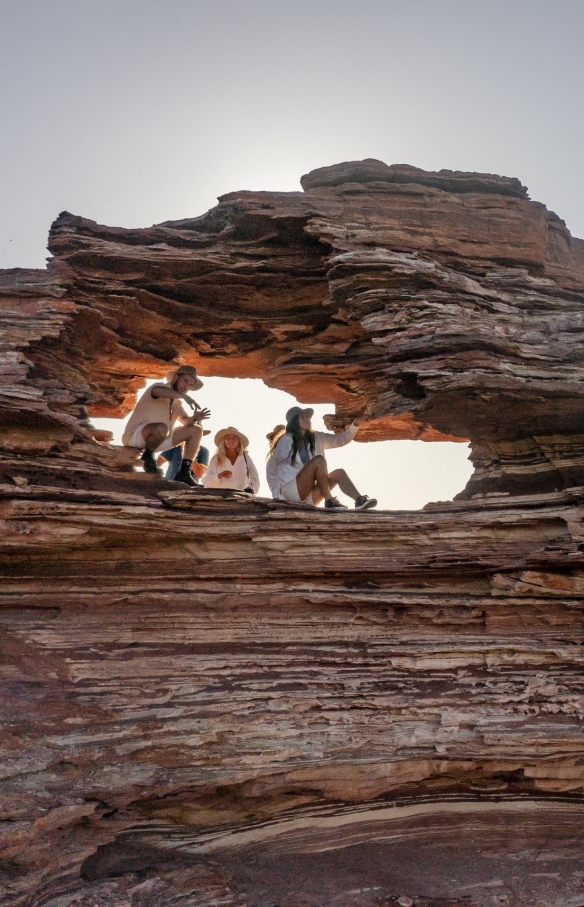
<point x="213" y="697"/>
<point x="436" y="305"/>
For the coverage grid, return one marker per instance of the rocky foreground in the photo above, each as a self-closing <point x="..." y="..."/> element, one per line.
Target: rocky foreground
<point x="212" y="700"/>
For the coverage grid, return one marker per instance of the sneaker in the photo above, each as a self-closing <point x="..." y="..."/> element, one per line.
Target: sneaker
<point x="334" y="504"/>
<point x="149" y="463"/>
<point x="365" y="503"/>
<point x="186" y="476"/>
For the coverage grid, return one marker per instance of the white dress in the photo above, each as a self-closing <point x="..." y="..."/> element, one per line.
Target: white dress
<point x="243" y="474"/>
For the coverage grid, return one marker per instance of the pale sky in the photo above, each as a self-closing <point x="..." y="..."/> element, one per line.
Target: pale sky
<point x="132" y="112"/>
<point x="402" y="475"/>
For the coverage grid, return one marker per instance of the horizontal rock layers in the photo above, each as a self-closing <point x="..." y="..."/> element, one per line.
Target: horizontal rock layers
<point x="190" y="678"/>
<point x="213" y="700"/>
<point x="434" y="305"/>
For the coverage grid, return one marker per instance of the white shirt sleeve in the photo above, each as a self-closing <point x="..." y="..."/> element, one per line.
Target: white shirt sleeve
<point x="280" y="455"/>
<point x="330" y="440"/>
<point x="254" y="479"/>
<point x="211" y="478"/>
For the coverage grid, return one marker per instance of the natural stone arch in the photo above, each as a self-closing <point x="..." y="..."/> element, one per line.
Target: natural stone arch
<point x="438" y="306"/>
<point x="424" y="684"/>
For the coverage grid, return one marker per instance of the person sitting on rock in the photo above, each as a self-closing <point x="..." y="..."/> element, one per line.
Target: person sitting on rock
<point x="297" y="470"/>
<point x="150" y="428"/>
<point x="174" y="458"/>
<point x="231" y="465"/>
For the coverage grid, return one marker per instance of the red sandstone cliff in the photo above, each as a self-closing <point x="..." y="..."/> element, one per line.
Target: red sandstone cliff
<point x="333" y="712"/>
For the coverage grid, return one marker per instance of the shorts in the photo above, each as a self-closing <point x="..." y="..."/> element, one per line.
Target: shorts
<point x="289" y="492"/>
<point x="136" y="440"/>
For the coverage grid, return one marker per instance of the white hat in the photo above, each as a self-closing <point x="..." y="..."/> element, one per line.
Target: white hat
<point x="230" y="431"/>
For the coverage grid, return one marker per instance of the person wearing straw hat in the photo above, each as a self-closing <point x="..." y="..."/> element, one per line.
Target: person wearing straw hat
<point x="231" y="465"/>
<point x="150" y="428"/>
<point x="297" y="470"/>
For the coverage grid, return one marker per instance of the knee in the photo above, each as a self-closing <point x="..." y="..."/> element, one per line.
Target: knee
<point x="338" y="474"/>
<point x="157" y="430"/>
<point x="319" y="460"/>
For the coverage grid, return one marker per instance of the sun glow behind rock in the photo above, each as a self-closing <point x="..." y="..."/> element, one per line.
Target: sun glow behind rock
<point x="402" y="475"/>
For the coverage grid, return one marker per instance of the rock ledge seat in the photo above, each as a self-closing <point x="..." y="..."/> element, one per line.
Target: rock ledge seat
<point x="216" y="700"/>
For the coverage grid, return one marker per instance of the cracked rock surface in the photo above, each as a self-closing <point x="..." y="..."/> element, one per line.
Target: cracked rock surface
<point x="215" y="700"/>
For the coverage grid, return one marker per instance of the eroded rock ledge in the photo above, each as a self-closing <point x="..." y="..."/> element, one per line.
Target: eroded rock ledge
<point x="213" y="700"/>
<point x="208" y="694"/>
<point x="434" y="305"/>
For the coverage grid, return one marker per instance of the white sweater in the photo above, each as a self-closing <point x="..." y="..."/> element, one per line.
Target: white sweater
<point x="280" y="468"/>
<point x="239" y="474"/>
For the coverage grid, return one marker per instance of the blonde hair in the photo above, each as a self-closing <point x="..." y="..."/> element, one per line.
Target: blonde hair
<point x="222" y="450"/>
<point x="273" y="437"/>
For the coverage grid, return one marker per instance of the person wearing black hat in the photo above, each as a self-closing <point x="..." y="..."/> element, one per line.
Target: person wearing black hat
<point x="150" y="428"/>
<point x="297" y="469"/>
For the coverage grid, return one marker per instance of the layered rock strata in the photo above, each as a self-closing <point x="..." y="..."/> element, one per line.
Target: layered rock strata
<point x="215" y="700"/>
<point x="434" y="305"/>
<point x="201" y="686"/>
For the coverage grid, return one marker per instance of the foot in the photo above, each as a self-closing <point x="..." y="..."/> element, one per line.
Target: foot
<point x="149" y="463"/>
<point x="186" y="476"/>
<point x="334" y="504"/>
<point x="364" y="502"/>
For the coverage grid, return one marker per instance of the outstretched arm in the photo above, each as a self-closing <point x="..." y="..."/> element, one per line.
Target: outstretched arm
<point x="330" y="440"/>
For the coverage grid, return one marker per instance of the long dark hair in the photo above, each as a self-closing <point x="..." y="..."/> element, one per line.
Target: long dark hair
<point x="293" y="428"/>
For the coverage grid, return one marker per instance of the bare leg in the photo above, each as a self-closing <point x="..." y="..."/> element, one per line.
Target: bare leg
<point x="338" y="477"/>
<point x="314" y="475"/>
<point x="191" y="436"/>
<point x="317" y="496"/>
<point x="154" y="434"/>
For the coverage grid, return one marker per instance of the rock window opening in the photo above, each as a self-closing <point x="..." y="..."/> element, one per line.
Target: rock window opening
<point x="402" y="475"/>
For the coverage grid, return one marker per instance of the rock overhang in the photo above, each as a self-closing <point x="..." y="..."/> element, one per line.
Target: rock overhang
<point x="186" y="668"/>
<point x="434" y="306"/>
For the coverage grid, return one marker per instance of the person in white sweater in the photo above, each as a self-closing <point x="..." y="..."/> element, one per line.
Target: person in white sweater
<point x="297" y="470"/>
<point x="231" y="465"/>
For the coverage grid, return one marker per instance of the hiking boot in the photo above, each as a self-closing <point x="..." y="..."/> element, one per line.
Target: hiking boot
<point x="365" y="502"/>
<point x="149" y="463"/>
<point x="185" y="475"/>
<point x="334" y="504"/>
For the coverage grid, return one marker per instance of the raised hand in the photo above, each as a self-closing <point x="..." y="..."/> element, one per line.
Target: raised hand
<point x="188" y="400"/>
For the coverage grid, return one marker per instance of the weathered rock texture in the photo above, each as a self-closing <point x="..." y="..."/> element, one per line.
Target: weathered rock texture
<point x="212" y="700"/>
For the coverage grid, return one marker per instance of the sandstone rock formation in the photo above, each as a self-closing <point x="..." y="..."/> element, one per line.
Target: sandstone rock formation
<point x="214" y="700"/>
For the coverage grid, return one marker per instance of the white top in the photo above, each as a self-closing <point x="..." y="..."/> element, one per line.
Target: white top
<point x="280" y="468"/>
<point x="240" y="480"/>
<point x="151" y="409"/>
